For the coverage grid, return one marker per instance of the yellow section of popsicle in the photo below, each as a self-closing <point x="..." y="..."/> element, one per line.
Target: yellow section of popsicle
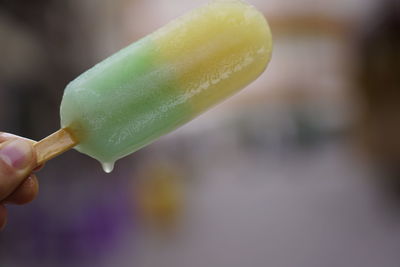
<point x="214" y="51"/>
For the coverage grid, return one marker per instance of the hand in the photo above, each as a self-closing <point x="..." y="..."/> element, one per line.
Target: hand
<point x="18" y="185"/>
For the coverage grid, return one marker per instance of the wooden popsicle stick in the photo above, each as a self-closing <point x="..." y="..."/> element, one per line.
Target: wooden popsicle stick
<point x="53" y="145"/>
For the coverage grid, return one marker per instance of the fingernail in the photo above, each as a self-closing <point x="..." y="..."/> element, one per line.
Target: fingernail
<point x="16" y="153"/>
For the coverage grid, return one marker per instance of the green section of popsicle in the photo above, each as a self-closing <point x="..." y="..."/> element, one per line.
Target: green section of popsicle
<point x="121" y="104"/>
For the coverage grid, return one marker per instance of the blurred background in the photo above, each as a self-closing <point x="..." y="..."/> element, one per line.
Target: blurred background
<point x="302" y="168"/>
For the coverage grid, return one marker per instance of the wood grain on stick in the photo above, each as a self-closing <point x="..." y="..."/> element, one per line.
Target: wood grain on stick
<point x="53" y="145"/>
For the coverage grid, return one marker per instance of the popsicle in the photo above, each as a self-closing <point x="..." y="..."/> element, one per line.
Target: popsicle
<point x="162" y="81"/>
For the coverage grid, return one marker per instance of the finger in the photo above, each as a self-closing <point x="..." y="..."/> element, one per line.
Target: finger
<point x="3" y="217"/>
<point x="7" y="136"/>
<point x="17" y="159"/>
<point x="24" y="193"/>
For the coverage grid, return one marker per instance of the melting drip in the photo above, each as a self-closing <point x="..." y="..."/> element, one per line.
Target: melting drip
<point x="108" y="166"/>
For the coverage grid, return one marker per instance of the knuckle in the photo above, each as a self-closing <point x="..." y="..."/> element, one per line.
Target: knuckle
<point x="25" y="193"/>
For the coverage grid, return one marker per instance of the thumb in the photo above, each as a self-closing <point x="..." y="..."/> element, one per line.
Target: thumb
<point x="17" y="159"/>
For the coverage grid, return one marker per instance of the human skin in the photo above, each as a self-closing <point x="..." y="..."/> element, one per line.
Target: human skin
<point x="18" y="183"/>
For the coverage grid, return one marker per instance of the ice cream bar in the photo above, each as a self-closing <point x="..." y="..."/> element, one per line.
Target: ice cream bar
<point x="165" y="79"/>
